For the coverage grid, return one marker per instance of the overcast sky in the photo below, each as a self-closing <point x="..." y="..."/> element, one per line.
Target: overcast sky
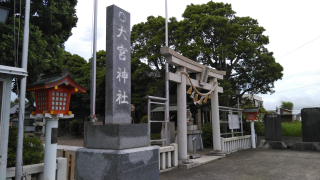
<point x="289" y="25"/>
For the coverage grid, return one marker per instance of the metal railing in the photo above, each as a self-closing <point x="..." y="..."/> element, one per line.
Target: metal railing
<point x="163" y="103"/>
<point x="232" y="111"/>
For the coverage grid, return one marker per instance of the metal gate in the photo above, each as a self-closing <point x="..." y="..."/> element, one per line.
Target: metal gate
<point x="163" y="103"/>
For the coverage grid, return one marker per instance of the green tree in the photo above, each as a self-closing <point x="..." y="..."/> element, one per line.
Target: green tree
<point x="42" y="56"/>
<point x="148" y="37"/>
<point x="213" y="35"/>
<point x="52" y="17"/>
<point x="143" y="82"/>
<point x="50" y="26"/>
<point x="80" y="70"/>
<point x="286" y="105"/>
<point x="147" y="64"/>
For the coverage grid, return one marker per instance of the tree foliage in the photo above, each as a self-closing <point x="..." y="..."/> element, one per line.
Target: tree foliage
<point x="52" y="17"/>
<point x="286" y="105"/>
<point x="50" y="26"/>
<point x="213" y="35"/>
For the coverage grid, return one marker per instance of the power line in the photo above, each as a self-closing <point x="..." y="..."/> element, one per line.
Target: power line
<point x="299" y="47"/>
<point x="297" y="88"/>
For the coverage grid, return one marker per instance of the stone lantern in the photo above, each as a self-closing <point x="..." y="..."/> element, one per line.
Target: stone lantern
<point x="251" y="113"/>
<point x="52" y="97"/>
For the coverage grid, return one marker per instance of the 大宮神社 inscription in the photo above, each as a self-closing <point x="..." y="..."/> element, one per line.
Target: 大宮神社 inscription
<point x="118" y="67"/>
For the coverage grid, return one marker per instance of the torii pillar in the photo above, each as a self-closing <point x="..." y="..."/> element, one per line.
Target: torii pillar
<point x="184" y="64"/>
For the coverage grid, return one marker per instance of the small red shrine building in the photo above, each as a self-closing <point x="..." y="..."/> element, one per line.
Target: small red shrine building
<point x="251" y="113"/>
<point x="53" y="92"/>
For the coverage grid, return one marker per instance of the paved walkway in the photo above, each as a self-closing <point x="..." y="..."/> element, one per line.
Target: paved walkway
<point x="255" y="164"/>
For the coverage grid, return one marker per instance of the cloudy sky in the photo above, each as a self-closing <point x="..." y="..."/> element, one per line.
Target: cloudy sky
<point x="292" y="26"/>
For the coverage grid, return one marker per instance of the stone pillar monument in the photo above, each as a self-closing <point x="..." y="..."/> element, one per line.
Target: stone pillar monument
<point x="118" y="149"/>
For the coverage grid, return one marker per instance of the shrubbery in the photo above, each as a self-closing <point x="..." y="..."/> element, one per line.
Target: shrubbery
<point x="259" y="128"/>
<point x="75" y="127"/>
<point x="32" y="149"/>
<point x="207" y="135"/>
<point x="144" y="119"/>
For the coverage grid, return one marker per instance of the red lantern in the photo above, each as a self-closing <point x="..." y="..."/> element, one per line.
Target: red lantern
<point x="53" y="93"/>
<point x="251" y="113"/>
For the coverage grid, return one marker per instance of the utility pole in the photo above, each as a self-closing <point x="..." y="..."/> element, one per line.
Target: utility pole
<point x="18" y="171"/>
<point x="167" y="118"/>
<point x="94" y="64"/>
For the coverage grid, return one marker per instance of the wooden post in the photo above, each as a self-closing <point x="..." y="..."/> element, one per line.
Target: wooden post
<point x="72" y="166"/>
<point x="66" y="155"/>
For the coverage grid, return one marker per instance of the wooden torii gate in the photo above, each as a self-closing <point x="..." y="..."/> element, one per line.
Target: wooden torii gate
<point x="184" y="64"/>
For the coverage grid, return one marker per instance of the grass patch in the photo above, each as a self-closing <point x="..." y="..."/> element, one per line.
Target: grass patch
<point x="292" y="129"/>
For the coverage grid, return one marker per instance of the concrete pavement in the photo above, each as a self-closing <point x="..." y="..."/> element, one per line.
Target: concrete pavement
<point x="255" y="164"/>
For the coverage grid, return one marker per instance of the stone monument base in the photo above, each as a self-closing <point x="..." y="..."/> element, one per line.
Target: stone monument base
<point x="306" y="146"/>
<point x="137" y="163"/>
<point x="116" y="136"/>
<point x="272" y="144"/>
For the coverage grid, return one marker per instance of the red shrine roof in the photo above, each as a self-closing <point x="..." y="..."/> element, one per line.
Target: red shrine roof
<point x="62" y="78"/>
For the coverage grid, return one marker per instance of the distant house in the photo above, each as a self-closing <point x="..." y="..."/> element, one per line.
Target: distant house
<point x="286" y="114"/>
<point x="256" y="100"/>
<point x="28" y="122"/>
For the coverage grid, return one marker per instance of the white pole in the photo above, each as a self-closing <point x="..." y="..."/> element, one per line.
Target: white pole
<point x="253" y="135"/>
<point x="94" y="64"/>
<point x="49" y="170"/>
<point x="4" y="124"/>
<point x="22" y="97"/>
<point x="166" y="75"/>
<point x="167" y="24"/>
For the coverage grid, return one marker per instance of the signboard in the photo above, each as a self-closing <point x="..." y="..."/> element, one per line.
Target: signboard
<point x="233" y="121"/>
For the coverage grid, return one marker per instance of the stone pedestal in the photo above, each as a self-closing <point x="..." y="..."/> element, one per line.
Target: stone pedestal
<point x="137" y="163"/>
<point x="117" y="152"/>
<point x="117" y="136"/>
<point x="190" y="136"/>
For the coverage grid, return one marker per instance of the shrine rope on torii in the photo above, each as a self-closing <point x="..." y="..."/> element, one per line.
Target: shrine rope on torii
<point x="203" y="72"/>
